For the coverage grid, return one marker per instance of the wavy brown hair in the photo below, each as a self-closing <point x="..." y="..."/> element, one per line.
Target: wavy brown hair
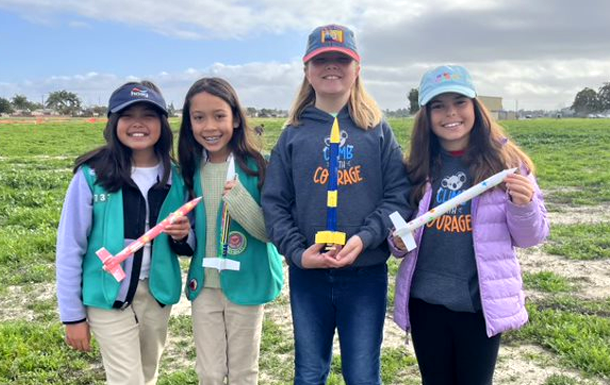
<point x="244" y="143"/>
<point x="489" y="151"/>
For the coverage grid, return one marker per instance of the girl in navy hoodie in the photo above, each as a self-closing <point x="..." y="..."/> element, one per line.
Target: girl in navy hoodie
<point x="343" y="288"/>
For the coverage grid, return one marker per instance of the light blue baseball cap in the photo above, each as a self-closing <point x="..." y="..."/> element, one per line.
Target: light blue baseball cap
<point x="445" y="79"/>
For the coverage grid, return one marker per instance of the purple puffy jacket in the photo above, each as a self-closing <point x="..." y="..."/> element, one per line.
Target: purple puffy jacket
<point x="498" y="226"/>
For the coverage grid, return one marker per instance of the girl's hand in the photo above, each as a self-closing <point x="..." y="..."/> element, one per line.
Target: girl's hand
<point x="229" y="186"/>
<point x="398" y="243"/>
<point x="520" y="189"/>
<point x="348" y="254"/>
<point x="314" y="258"/>
<point x="78" y="336"/>
<point x="179" y="230"/>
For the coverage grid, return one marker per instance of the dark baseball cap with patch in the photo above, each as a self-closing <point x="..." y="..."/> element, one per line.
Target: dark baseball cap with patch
<point x="331" y="38"/>
<point x="132" y="93"/>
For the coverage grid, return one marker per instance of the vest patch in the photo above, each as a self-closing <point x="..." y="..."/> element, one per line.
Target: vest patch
<point x="237" y="243"/>
<point x="193" y="284"/>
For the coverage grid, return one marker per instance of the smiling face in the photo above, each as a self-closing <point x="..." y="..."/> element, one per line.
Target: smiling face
<point x="139" y="128"/>
<point x="213" y="124"/>
<point x="332" y="75"/>
<point x="452" y="119"/>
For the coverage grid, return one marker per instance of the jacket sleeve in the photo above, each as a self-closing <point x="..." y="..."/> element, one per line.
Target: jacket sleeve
<point x="245" y="211"/>
<point x="185" y="247"/>
<point x="528" y="225"/>
<point x="277" y="201"/>
<point x="396" y="252"/>
<point x="72" y="241"/>
<point x="396" y="187"/>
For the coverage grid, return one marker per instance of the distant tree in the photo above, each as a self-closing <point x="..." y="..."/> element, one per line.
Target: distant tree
<point x="86" y="112"/>
<point x="603" y="97"/>
<point x="100" y="110"/>
<point x="413" y="101"/>
<point x="586" y="101"/>
<point x="265" y="113"/>
<point x="251" y="111"/>
<point x="171" y="110"/>
<point x="20" y="102"/>
<point x="5" y="106"/>
<point x="64" y="102"/>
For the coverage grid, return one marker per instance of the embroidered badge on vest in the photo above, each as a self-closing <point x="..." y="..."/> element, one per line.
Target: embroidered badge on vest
<point x="237" y="243"/>
<point x="193" y="284"/>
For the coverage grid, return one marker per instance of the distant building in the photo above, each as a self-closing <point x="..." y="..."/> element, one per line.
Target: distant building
<point x="494" y="105"/>
<point x="45" y="112"/>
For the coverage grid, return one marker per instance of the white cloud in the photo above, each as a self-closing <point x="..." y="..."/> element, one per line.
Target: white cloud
<point x="540" y="53"/>
<point x="544" y="84"/>
<point x="257" y="84"/>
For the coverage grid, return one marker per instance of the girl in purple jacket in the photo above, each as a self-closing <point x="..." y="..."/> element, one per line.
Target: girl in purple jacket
<point x="461" y="287"/>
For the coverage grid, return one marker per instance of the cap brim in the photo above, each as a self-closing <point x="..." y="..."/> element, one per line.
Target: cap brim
<point x="342" y="50"/>
<point x="468" y="92"/>
<point x="134" y="101"/>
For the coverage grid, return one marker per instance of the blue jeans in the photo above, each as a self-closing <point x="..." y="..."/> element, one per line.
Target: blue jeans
<point x="353" y="301"/>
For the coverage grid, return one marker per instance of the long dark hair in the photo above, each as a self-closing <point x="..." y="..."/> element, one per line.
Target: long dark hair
<point x="243" y="143"/>
<point x="489" y="150"/>
<point x="112" y="162"/>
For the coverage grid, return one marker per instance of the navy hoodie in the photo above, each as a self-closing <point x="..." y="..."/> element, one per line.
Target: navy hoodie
<point x="372" y="184"/>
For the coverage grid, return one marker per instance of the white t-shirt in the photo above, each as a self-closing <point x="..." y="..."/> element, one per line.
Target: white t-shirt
<point x="145" y="178"/>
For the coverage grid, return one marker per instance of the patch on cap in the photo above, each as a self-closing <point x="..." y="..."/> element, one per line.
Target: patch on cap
<point x="139" y="92"/>
<point x="332" y="36"/>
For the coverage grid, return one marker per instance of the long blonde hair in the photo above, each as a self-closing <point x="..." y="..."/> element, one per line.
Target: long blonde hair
<point x="363" y="109"/>
<point x="489" y="150"/>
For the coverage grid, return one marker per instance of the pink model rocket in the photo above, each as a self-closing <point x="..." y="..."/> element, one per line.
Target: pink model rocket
<point x="112" y="263"/>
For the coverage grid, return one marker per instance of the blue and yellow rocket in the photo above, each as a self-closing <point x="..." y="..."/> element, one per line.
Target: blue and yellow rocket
<point x="331" y="236"/>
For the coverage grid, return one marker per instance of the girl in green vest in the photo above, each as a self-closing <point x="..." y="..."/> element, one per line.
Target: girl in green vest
<point x="119" y="191"/>
<point x="234" y="271"/>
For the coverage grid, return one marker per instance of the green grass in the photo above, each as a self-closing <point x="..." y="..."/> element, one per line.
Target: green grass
<point x="36" y="354"/>
<point x="580" y="241"/>
<point x="582" y="341"/>
<point x="35" y="169"/>
<point x="560" y="379"/>
<point x="546" y="281"/>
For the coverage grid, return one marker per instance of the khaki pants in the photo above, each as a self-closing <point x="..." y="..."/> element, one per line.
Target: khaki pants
<point x="131" y="340"/>
<point x="227" y="338"/>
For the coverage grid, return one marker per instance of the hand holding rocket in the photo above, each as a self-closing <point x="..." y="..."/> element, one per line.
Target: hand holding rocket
<point x="405" y="230"/>
<point x="112" y="263"/>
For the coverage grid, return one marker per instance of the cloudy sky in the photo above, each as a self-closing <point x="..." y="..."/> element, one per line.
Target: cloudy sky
<point x="536" y="54"/>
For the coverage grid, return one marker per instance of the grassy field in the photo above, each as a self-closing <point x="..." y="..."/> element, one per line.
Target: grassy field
<point x="566" y="342"/>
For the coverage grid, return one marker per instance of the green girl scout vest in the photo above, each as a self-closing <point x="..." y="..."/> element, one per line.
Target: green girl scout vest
<point x="260" y="277"/>
<point x="100" y="289"/>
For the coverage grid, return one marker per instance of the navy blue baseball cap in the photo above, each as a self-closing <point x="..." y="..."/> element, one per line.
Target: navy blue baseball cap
<point x="131" y="93"/>
<point x="331" y="38"/>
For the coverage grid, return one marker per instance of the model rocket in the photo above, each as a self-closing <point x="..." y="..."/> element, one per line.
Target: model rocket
<point x="405" y="230"/>
<point x="331" y="236"/>
<point x="222" y="262"/>
<point x="112" y="263"/>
